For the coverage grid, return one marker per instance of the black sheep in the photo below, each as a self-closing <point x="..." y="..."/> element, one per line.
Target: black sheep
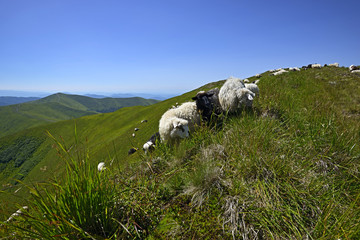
<point x="208" y="103"/>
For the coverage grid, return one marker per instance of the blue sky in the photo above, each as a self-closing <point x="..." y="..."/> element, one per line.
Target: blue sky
<point x="167" y="46"/>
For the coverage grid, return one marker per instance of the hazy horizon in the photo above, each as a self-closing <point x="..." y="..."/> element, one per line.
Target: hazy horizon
<point x="159" y="96"/>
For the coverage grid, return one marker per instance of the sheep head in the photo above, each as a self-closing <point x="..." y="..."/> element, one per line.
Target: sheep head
<point x="245" y="96"/>
<point x="180" y="128"/>
<point x="207" y="102"/>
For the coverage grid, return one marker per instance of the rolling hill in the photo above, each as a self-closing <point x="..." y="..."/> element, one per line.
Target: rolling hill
<point x="287" y="169"/>
<point x="58" y="107"/>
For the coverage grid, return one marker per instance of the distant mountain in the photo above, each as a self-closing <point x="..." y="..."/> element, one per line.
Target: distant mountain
<point x="144" y="95"/>
<point x="156" y="96"/>
<point x="59" y="107"/>
<point x="4" y="101"/>
<point x="95" y="95"/>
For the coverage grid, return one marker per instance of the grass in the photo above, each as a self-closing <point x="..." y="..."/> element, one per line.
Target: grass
<point x="59" y="107"/>
<point x="286" y="169"/>
<point x="83" y="204"/>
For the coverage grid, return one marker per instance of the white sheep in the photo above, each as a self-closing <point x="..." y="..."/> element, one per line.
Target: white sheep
<point x="294" y="69"/>
<point x="233" y="95"/>
<point x="151" y="143"/>
<point x="253" y="87"/>
<point x="279" y="72"/>
<point x="173" y="128"/>
<point x="101" y="166"/>
<point x="355" y="71"/>
<point x="333" y="65"/>
<point x="353" y="67"/>
<point x="316" y="65"/>
<point x="178" y="121"/>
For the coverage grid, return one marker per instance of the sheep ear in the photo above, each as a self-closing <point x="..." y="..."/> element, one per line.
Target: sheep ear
<point x="250" y="97"/>
<point x="194" y="98"/>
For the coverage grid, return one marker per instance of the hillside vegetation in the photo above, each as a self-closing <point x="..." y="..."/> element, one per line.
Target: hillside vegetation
<point x="59" y="107"/>
<point x="287" y="169"/>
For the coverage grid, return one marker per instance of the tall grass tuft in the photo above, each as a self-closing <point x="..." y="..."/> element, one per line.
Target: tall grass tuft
<point x="84" y="204"/>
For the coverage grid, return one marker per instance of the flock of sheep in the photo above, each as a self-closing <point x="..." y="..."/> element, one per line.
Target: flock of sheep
<point x="176" y="123"/>
<point x="275" y="72"/>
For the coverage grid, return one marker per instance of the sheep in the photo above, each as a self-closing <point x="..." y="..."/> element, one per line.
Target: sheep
<point x="333" y="65"/>
<point x="316" y="65"/>
<point x="353" y="67"/>
<point x="132" y="150"/>
<point x="187" y="111"/>
<point x="151" y="143"/>
<point x="253" y="87"/>
<point x="305" y="67"/>
<point x="176" y="123"/>
<point x="208" y="103"/>
<point x="279" y="72"/>
<point x="136" y="129"/>
<point x="258" y="75"/>
<point x="355" y="71"/>
<point x="246" y="80"/>
<point x="173" y="128"/>
<point x="294" y="69"/>
<point x="233" y="95"/>
<point x="144" y="121"/>
<point x="101" y="166"/>
<point x="133" y="135"/>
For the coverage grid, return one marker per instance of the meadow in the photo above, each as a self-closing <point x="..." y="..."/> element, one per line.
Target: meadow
<point x="288" y="168"/>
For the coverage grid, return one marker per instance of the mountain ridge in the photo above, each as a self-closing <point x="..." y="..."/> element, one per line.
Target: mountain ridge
<point x="58" y="107"/>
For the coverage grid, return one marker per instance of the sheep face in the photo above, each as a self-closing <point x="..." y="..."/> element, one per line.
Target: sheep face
<point x="207" y="102"/>
<point x="180" y="130"/>
<point x="246" y="97"/>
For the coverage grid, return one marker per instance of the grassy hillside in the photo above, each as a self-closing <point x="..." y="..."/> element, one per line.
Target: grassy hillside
<point x="58" y="107"/>
<point x="287" y="169"/>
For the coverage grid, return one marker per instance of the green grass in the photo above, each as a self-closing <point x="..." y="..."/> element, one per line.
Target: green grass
<point x="59" y="107"/>
<point x="287" y="169"/>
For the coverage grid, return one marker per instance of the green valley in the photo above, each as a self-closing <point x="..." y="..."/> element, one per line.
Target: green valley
<point x="56" y="107"/>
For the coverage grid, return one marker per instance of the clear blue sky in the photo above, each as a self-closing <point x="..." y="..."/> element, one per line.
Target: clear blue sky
<point x="170" y="46"/>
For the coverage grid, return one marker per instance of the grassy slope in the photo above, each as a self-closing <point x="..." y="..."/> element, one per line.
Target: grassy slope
<point x="289" y="169"/>
<point x="59" y="107"/>
<point x="104" y="132"/>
